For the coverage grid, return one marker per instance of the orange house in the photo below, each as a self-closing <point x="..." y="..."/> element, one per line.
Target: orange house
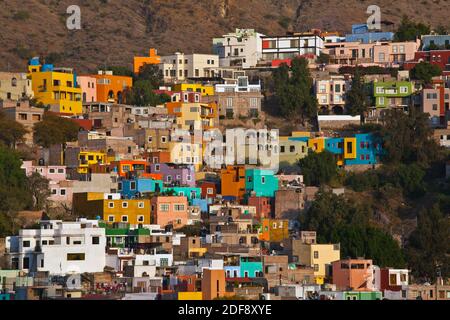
<point x="110" y="88"/>
<point x="170" y="211"/>
<point x="158" y="157"/>
<point x="139" y="167"/>
<point x="274" y="230"/>
<point x="353" y="274"/>
<point x="233" y="181"/>
<point x="152" y="58"/>
<point x="213" y="284"/>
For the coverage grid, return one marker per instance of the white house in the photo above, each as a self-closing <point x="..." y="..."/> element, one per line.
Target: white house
<point x="59" y="248"/>
<point x="242" y="48"/>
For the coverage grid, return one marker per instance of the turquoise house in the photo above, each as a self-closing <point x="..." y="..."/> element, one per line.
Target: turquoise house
<point x="251" y="267"/>
<point x="263" y="182"/>
<point x="190" y="193"/>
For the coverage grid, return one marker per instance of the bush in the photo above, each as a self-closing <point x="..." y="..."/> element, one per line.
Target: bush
<point x="21" y="15"/>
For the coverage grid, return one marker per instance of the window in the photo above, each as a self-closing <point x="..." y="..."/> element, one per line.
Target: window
<point x="229" y="102"/>
<point x="188" y="178"/>
<point x="164" y="207"/>
<point x="75" y="257"/>
<point x="140" y="219"/>
<point x="403" y="89"/>
<point x="133" y="185"/>
<point x="124" y="205"/>
<point x="26" y="263"/>
<point x="381" y="57"/>
<point x="157" y="167"/>
<point x="393" y="279"/>
<point x="263" y="180"/>
<point x="179" y="207"/>
<point x="111" y="205"/>
<point x="380" y="90"/>
<point x="316" y="268"/>
<point x="316" y="254"/>
<point x="141" y="205"/>
<point x="110" y="218"/>
<point x="95" y="240"/>
<point x="163" y="139"/>
<point x="124" y="218"/>
<point x="119" y="186"/>
<point x="209" y="191"/>
<point x="435" y="107"/>
<point x="62" y="192"/>
<point x="26" y="244"/>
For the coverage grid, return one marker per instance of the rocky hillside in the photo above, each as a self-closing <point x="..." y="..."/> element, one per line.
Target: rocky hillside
<point x="113" y="31"/>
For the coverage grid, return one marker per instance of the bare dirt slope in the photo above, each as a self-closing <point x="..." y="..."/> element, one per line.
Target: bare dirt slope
<point x="113" y="31"/>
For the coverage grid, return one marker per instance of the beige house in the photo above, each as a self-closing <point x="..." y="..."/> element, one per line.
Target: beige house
<point x="179" y="66"/>
<point x="15" y="86"/>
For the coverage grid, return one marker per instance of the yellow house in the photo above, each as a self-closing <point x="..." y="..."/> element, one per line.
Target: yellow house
<point x="111" y="208"/>
<point x="194" y="116"/>
<point x="190" y="296"/>
<point x="87" y="158"/>
<point x="319" y="256"/>
<point x="291" y="150"/>
<point x="205" y="90"/>
<point x="56" y="87"/>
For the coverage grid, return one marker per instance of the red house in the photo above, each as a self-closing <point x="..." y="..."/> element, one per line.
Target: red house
<point x="209" y="189"/>
<point x="263" y="206"/>
<point x="440" y="58"/>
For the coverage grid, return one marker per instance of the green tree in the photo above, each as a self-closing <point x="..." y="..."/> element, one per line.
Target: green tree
<point x="318" y="168"/>
<point x="429" y="245"/>
<point x="11" y="132"/>
<point x="151" y="73"/>
<point x="337" y="220"/>
<point x="142" y="94"/>
<point x="425" y="71"/>
<point x="39" y="188"/>
<point x="409" y="30"/>
<point x="441" y="30"/>
<point x="408" y="138"/>
<point x="14" y="195"/>
<point x="55" y="130"/>
<point x="356" y="102"/>
<point x="294" y="92"/>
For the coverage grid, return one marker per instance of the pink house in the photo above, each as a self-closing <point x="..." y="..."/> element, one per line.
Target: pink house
<point x="88" y="87"/>
<point x="383" y="53"/>
<point x="169" y="211"/>
<point x="436" y="102"/>
<point x="60" y="188"/>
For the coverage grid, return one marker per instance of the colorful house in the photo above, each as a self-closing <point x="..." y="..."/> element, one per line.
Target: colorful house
<point x="136" y="187"/>
<point x="292" y="150"/>
<point x="205" y="90"/>
<point x="353" y="274"/>
<point x="274" y="230"/>
<point x="111" y="208"/>
<point x="190" y="193"/>
<point x="174" y="174"/>
<point x="88" y="158"/>
<point x="55" y="87"/>
<point x="194" y="116"/>
<point x="152" y="58"/>
<point x="261" y="183"/>
<point x="392" y="94"/>
<point x="138" y="168"/>
<point x="251" y="267"/>
<point x="110" y="88"/>
<point x="233" y="182"/>
<point x="168" y="210"/>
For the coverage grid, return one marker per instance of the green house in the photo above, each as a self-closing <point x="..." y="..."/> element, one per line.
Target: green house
<point x="389" y="94"/>
<point x="362" y="295"/>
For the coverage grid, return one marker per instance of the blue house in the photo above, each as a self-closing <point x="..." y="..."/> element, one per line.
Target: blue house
<point x="202" y="203"/>
<point x="368" y="149"/>
<point x="232" y="271"/>
<point x="361" y="32"/>
<point x="130" y="189"/>
<point x="437" y="41"/>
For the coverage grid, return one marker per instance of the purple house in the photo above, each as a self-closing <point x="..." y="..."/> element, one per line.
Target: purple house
<point x="174" y="174"/>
